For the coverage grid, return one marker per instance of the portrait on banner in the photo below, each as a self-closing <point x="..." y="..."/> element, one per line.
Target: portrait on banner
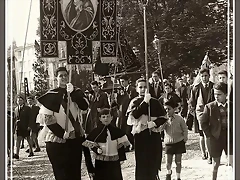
<point x="79" y="14"/>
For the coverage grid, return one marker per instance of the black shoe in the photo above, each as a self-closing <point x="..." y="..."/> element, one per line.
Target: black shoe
<point x="37" y="150"/>
<point x="178" y="179"/>
<point x="31" y="154"/>
<point x="15" y="156"/>
<point x="210" y="160"/>
<point x="27" y="151"/>
<point x="204" y="157"/>
<point x="168" y="177"/>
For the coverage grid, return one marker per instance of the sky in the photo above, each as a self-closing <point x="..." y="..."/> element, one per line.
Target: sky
<point x="16" y="21"/>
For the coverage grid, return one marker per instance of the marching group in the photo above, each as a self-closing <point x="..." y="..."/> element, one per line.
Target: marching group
<point x="105" y="127"/>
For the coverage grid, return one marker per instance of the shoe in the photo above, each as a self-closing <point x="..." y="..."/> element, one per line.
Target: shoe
<point x="15" y="156"/>
<point x="209" y="160"/>
<point x="178" y="179"/>
<point x="37" y="150"/>
<point x="27" y="151"/>
<point x="31" y="154"/>
<point x="168" y="177"/>
<point x="204" y="157"/>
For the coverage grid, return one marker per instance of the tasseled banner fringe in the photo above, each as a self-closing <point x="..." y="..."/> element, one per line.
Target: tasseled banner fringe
<point x="106" y="158"/>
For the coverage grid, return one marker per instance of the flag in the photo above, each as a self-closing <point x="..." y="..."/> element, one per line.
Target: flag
<point x="206" y="64"/>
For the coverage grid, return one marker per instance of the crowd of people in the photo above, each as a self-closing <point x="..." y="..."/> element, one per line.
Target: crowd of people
<point x="137" y="117"/>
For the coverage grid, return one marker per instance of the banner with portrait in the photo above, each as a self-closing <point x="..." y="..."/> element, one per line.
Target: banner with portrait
<point x="83" y="25"/>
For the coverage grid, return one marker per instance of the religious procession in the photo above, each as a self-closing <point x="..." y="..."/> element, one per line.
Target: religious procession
<point x="109" y="105"/>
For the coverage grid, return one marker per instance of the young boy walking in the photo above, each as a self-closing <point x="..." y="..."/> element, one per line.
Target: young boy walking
<point x="108" y="144"/>
<point x="176" y="135"/>
<point x="215" y="125"/>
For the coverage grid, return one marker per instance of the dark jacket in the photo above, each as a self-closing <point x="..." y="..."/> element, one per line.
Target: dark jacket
<point x="210" y="120"/>
<point x="152" y="90"/>
<point x="22" y="115"/>
<point x="34" y="110"/>
<point x="195" y="94"/>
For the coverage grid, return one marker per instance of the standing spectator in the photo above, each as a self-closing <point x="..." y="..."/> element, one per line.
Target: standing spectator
<point x="214" y="122"/>
<point x="202" y="93"/>
<point x="181" y="91"/>
<point x="146" y="131"/>
<point x="176" y="135"/>
<point x="129" y="92"/>
<point x="64" y="135"/>
<point x="155" y="88"/>
<point x="98" y="101"/>
<point x="22" y="115"/>
<point x="190" y="114"/>
<point x="34" y="110"/>
<point x="222" y="76"/>
<point x="169" y="94"/>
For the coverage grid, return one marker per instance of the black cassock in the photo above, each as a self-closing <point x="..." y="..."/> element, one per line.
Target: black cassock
<point x="148" y="146"/>
<point x="107" y="167"/>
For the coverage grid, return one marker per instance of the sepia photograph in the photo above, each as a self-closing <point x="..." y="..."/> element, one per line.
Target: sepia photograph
<point x="162" y="107"/>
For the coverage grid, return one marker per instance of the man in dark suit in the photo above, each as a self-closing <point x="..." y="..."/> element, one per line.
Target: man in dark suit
<point x="155" y="88"/>
<point x="34" y="110"/>
<point x="181" y="91"/>
<point x="22" y="114"/>
<point x="215" y="125"/>
<point x="202" y="93"/>
<point x="190" y="115"/>
<point x="98" y="101"/>
<point x="127" y="93"/>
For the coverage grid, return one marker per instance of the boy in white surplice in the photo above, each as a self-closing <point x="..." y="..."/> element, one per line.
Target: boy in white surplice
<point x="108" y="144"/>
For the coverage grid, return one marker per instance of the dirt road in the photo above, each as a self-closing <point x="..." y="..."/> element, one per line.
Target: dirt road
<point x="193" y="167"/>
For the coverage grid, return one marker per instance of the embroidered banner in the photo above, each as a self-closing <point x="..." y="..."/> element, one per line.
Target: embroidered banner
<point x="82" y="24"/>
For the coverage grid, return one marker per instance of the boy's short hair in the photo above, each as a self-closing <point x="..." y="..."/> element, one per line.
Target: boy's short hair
<point x="221" y="87"/>
<point x="105" y="111"/>
<point x="60" y="69"/>
<point x="125" y="77"/>
<point x="203" y="70"/>
<point x="95" y="83"/>
<point x="170" y="103"/>
<point x="141" y="80"/>
<point x="223" y="72"/>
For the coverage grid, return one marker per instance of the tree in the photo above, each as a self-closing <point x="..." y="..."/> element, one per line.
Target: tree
<point x="187" y="29"/>
<point x="40" y="75"/>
